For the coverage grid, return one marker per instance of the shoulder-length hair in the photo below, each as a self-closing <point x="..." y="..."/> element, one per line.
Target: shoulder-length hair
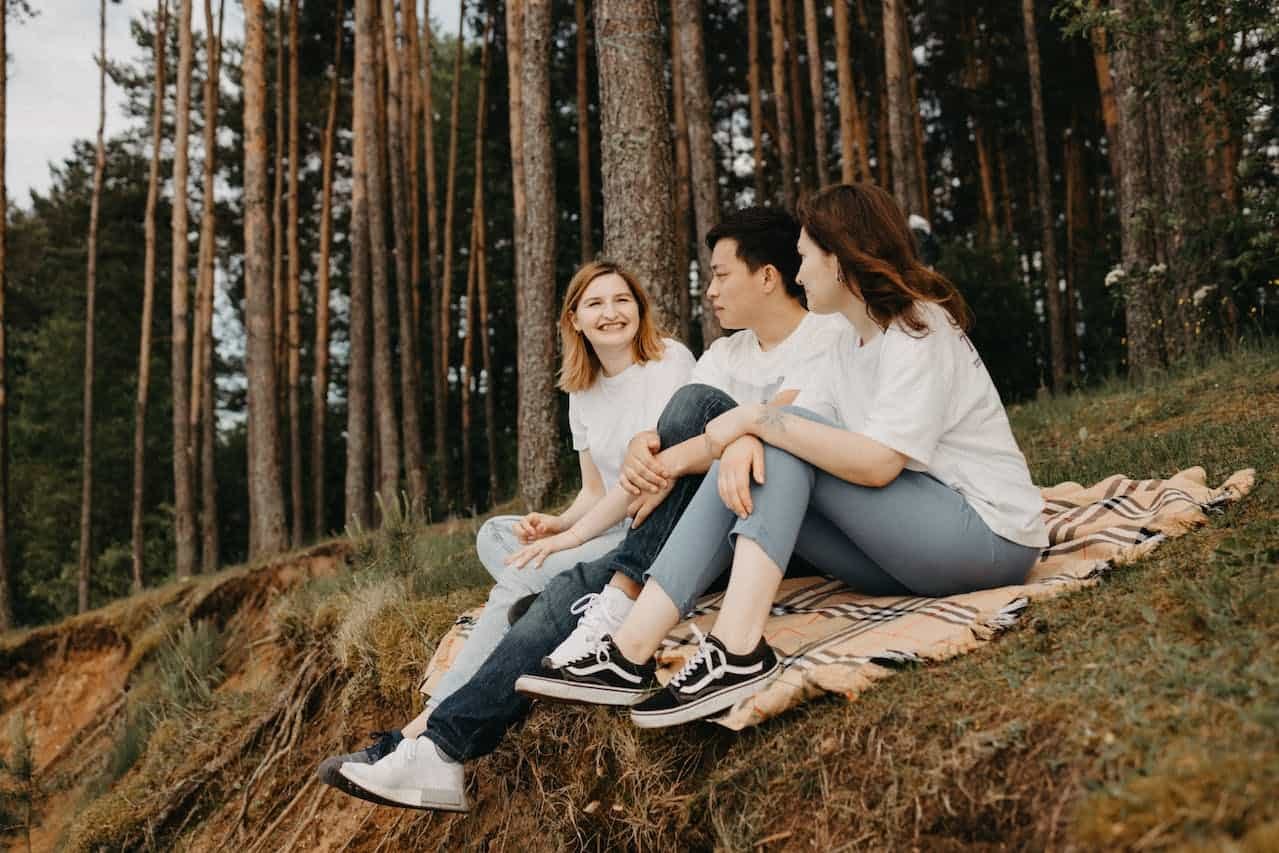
<point x="579" y="364"/>
<point x="864" y="228"/>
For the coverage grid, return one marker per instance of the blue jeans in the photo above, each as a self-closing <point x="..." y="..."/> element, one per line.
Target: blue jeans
<point x="472" y="721"/>
<point x="915" y="536"/>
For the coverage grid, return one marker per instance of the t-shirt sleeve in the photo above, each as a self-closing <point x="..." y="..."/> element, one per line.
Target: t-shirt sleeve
<point x="576" y="423"/>
<point x="669" y="375"/>
<point x="912" y="393"/>
<point x="708" y="370"/>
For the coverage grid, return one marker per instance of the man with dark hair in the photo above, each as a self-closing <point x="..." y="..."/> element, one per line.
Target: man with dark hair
<point x="753" y="266"/>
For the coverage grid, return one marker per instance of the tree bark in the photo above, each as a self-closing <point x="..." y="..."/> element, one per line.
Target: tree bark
<point x="183" y="460"/>
<point x="682" y="200"/>
<point x="369" y="70"/>
<point x="446" y="279"/>
<point x="702" y="162"/>
<point x="410" y="397"/>
<point x="6" y="595"/>
<point x="1106" y="89"/>
<point x="279" y="299"/>
<point x="294" y="287"/>
<point x="538" y="426"/>
<point x="148" y="298"/>
<point x="412" y="98"/>
<point x="357" y="508"/>
<point x="795" y="92"/>
<point x="583" y="139"/>
<point x="917" y="125"/>
<point x="852" y="133"/>
<point x="320" y="382"/>
<point x="785" y="146"/>
<point x="266" y="500"/>
<point x="99" y="166"/>
<point x="203" y="430"/>
<point x="439" y="372"/>
<point x="635" y="149"/>
<point x="906" y="184"/>
<point x="488" y="385"/>
<point x="1047" y="219"/>
<point x="816" y="85"/>
<point x="756" y="98"/>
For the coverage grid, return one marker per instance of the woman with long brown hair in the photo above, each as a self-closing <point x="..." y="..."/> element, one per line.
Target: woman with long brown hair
<point x="895" y="471"/>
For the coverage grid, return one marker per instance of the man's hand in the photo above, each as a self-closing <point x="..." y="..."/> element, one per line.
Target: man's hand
<point x="642" y="507"/>
<point x="741" y="460"/>
<point x="728" y="427"/>
<point x="641" y="470"/>
<point x="537" y="525"/>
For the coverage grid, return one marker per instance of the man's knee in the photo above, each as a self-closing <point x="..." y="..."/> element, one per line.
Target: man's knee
<point x="689" y="410"/>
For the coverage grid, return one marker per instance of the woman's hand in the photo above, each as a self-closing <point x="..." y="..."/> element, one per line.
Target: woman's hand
<point x="641" y="470"/>
<point x="741" y="461"/>
<point x="533" y="555"/>
<point x="537" y="525"/>
<point x="728" y="427"/>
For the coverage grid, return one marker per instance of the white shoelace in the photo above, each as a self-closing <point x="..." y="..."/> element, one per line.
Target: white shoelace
<point x="594" y="621"/>
<point x="405" y="752"/>
<point x="707" y="652"/>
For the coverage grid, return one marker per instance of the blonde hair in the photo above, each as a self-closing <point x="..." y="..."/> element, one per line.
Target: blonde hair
<point x="579" y="364"/>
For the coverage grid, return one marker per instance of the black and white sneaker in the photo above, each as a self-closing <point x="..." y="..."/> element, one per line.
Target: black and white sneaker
<point x="384" y="743"/>
<point x="713" y="680"/>
<point x="600" y="676"/>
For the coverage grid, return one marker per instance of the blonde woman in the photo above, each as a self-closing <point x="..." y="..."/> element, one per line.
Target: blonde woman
<point x="619" y="372"/>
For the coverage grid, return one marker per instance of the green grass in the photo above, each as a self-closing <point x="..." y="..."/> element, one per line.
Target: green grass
<point x="1137" y="713"/>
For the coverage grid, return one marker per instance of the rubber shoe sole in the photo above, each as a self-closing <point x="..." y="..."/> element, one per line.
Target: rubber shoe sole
<point x="330" y="774"/>
<point x="413" y="798"/>
<point x="557" y="690"/>
<point x="705" y="707"/>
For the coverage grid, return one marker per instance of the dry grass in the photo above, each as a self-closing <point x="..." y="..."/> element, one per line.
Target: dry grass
<point x="1135" y="714"/>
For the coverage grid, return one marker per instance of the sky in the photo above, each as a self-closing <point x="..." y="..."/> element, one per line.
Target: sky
<point x="53" y="79"/>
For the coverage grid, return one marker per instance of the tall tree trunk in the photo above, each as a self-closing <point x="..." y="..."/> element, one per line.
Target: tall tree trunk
<point x="635" y="149"/>
<point x="816" y="85"/>
<point x="475" y="255"/>
<point x="279" y="298"/>
<point x="785" y="146"/>
<point x="795" y="91"/>
<point x="446" y="279"/>
<point x="465" y="332"/>
<point x="489" y="386"/>
<point x="917" y="126"/>
<point x="1136" y="219"/>
<point x="1005" y="192"/>
<point x="99" y="166"/>
<point x="439" y="371"/>
<point x="1076" y="222"/>
<point x="538" y="425"/>
<point x="583" y="139"/>
<point x="183" y="460"/>
<point x="515" y="13"/>
<point x="852" y="131"/>
<point x="6" y="595"/>
<point x="756" y="97"/>
<point x="266" y="500"/>
<point x="1047" y="219"/>
<point x="701" y="144"/>
<point x="203" y="431"/>
<point x="320" y="382"/>
<point x="412" y="99"/>
<point x="410" y="398"/>
<point x="357" y="507"/>
<point x="883" y="149"/>
<point x="1106" y="89"/>
<point x="905" y="163"/>
<point x="369" y="70"/>
<point x="682" y="201"/>
<point x="294" y="294"/>
<point x="148" y="298"/>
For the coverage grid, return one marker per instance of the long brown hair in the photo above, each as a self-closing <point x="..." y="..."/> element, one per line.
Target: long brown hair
<point x="579" y="364"/>
<point x="864" y="228"/>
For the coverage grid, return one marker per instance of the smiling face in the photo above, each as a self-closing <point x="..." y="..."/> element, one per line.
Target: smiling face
<point x="819" y="276"/>
<point x="607" y="314"/>
<point x="736" y="293"/>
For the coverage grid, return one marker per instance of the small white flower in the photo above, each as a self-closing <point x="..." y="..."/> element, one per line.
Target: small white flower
<point x="1202" y="293"/>
<point x="1158" y="269"/>
<point x="1115" y="276"/>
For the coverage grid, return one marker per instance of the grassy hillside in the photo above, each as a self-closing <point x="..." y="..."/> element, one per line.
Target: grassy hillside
<point x="1139" y="713"/>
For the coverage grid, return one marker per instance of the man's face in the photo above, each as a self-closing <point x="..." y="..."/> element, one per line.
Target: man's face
<point x="735" y="293"/>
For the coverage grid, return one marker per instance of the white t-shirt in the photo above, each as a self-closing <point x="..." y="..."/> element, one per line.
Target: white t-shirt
<point x="606" y="416"/>
<point x="932" y="399"/>
<point x="737" y="366"/>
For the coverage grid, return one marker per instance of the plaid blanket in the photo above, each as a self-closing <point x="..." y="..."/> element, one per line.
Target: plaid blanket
<point x="833" y="640"/>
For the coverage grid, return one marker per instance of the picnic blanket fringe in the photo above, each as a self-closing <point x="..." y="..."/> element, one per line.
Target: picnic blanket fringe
<point x="833" y="640"/>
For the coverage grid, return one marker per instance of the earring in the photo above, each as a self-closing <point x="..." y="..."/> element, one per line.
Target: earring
<point x="839" y="275"/>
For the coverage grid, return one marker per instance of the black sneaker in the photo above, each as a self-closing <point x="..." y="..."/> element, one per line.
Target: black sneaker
<point x="715" y="679"/>
<point x="601" y="676"/>
<point x="384" y="743"/>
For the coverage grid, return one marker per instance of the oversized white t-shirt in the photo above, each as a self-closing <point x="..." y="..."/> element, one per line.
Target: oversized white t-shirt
<point x="606" y="416"/>
<point x="740" y="368"/>
<point x="932" y="400"/>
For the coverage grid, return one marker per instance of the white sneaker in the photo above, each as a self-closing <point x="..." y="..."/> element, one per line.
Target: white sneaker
<point x="416" y="775"/>
<point x="602" y="614"/>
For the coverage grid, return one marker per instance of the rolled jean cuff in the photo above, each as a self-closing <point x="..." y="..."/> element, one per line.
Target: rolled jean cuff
<point x="755" y="528"/>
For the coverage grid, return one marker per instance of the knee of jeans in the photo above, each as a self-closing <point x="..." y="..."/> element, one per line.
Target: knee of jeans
<point x="778" y="464"/>
<point x="685" y="413"/>
<point x="807" y="414"/>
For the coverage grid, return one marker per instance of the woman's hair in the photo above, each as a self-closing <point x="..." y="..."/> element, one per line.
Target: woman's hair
<point x="580" y="365"/>
<point x="864" y="228"/>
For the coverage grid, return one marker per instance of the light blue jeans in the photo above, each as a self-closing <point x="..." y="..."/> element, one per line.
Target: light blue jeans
<point x="494" y="543"/>
<point x="915" y="536"/>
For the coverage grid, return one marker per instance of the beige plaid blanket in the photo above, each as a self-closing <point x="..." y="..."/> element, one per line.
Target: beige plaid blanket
<point x="832" y="640"/>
